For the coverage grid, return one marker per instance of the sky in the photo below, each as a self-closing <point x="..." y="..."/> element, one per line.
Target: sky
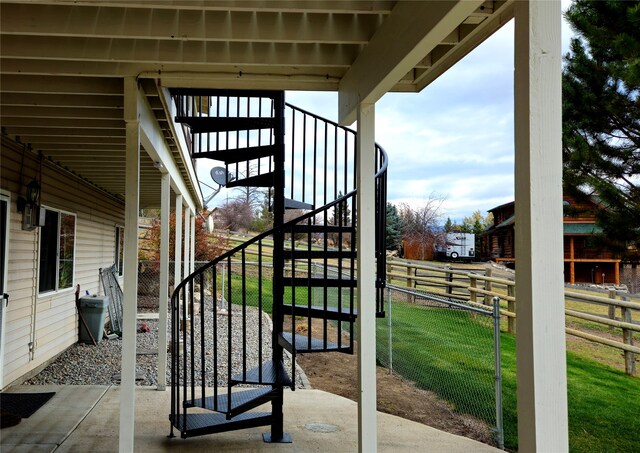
<point x="454" y="140"/>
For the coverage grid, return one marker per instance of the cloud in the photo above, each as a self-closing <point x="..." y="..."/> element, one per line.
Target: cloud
<point x="456" y="137"/>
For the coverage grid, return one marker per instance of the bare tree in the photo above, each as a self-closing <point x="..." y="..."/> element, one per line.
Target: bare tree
<point x="421" y="224"/>
<point x="236" y="215"/>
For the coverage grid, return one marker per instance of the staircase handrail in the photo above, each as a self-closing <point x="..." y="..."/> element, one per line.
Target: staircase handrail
<point x="273" y="230"/>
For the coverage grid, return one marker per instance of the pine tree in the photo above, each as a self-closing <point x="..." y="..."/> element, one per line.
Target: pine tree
<point x="601" y="116"/>
<point x="394" y="228"/>
<point x="448" y="225"/>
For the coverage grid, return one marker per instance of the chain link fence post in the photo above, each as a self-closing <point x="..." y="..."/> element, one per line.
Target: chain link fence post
<point x="390" y="332"/>
<point x="498" y="371"/>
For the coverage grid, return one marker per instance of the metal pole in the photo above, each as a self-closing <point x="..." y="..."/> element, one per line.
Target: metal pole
<point x="390" y="332"/>
<point x="498" y="371"/>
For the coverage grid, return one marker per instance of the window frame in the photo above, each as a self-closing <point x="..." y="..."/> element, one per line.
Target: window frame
<point x="57" y="288"/>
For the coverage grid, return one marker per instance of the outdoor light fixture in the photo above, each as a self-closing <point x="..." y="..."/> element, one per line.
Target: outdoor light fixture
<point x="29" y="207"/>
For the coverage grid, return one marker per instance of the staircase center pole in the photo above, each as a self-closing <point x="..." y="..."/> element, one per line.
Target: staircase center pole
<point x="277" y="426"/>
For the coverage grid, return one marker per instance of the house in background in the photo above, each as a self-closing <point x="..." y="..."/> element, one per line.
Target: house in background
<point x="87" y="84"/>
<point x="585" y="261"/>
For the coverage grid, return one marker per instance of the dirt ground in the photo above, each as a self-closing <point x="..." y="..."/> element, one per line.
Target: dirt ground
<point x="337" y="373"/>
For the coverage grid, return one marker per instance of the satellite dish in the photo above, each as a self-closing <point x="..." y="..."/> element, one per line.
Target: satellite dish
<point x="220" y="176"/>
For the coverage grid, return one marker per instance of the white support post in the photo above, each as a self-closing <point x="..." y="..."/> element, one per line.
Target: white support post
<point x="165" y="206"/>
<point x="540" y="342"/>
<point x="367" y="428"/>
<point x="187" y="234"/>
<point x="130" y="294"/>
<point x="177" y="269"/>
<point x="192" y="247"/>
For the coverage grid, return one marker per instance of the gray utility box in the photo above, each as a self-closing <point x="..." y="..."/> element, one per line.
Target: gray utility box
<point x="94" y="311"/>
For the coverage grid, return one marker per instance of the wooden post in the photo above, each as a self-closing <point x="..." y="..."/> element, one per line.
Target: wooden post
<point x="511" y="304"/>
<point x="616" y="273"/>
<point x="473" y="284"/>
<point x="449" y="279"/>
<point x="612" y="308"/>
<point x="409" y="275"/>
<point x="488" y="286"/>
<point x="627" y="337"/>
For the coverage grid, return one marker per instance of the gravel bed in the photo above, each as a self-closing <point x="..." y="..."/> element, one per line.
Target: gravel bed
<point x="84" y="364"/>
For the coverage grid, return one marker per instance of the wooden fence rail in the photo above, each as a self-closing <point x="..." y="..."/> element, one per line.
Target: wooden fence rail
<point x="480" y="288"/>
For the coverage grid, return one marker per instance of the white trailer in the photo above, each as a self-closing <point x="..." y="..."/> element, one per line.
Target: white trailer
<point x="458" y="246"/>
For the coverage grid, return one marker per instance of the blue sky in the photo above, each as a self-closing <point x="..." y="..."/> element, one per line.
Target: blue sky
<point x="452" y="140"/>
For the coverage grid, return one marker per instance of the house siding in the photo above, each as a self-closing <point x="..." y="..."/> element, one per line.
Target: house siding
<point x="49" y="321"/>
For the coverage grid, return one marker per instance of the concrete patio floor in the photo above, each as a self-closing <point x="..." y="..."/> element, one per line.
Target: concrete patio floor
<point x="85" y="419"/>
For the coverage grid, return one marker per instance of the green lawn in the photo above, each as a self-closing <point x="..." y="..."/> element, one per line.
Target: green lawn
<point x="450" y="353"/>
<point x="443" y="352"/>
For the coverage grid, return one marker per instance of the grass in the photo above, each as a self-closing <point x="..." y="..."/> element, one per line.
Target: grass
<point x="602" y="401"/>
<point x="446" y="351"/>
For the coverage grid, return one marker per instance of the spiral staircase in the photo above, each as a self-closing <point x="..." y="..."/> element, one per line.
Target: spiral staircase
<point x="219" y="372"/>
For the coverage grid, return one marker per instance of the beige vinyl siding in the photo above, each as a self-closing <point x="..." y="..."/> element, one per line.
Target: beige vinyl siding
<point x="49" y="321"/>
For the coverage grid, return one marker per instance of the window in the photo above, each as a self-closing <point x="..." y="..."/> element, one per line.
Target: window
<point x="119" y="259"/>
<point x="57" y="251"/>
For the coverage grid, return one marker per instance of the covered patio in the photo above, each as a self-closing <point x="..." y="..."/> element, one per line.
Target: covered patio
<point x="86" y="84"/>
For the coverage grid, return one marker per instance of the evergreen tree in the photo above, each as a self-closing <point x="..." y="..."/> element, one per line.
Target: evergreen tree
<point x="601" y="115"/>
<point x="448" y="225"/>
<point x="394" y="228"/>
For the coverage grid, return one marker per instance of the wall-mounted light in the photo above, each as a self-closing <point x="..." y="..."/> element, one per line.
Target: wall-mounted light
<point x="159" y="165"/>
<point x="29" y="207"/>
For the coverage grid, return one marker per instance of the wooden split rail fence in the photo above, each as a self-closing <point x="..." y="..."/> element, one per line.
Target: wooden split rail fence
<point x="479" y="287"/>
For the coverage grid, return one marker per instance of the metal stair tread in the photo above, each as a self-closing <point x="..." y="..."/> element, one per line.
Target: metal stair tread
<point x="241" y="401"/>
<point x="302" y="344"/>
<point x="210" y="423"/>
<point x="208" y="124"/>
<point x="295" y="204"/>
<point x="263" y="180"/>
<point x="272" y="374"/>
<point x="232" y="156"/>
<point x="318" y="311"/>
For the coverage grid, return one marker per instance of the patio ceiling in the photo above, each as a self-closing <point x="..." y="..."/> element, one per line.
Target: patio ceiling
<point x="62" y="63"/>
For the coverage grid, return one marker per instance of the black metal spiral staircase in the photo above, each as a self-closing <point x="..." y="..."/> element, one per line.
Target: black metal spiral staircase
<point x="310" y="279"/>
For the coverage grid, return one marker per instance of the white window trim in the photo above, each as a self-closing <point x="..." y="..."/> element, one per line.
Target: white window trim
<point x="75" y="242"/>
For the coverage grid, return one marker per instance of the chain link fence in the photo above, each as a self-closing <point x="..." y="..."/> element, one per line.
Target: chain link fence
<point x="447" y="347"/>
<point x="440" y="344"/>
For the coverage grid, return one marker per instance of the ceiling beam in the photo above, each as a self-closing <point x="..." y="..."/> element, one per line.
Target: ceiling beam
<point x="60" y="100"/>
<point x="317" y="6"/>
<point x="60" y="123"/>
<point x="184" y="52"/>
<point x="471" y="38"/>
<point x="59" y="85"/>
<point x="153" y="141"/>
<point x="21" y="111"/>
<point x="411" y="31"/>
<point x="293" y="77"/>
<point x="186" y="25"/>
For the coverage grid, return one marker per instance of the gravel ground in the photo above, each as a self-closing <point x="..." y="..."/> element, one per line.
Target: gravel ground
<point x="84" y="364"/>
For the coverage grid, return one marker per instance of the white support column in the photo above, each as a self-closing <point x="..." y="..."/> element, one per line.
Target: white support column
<point x="130" y="294"/>
<point x="367" y="428"/>
<point x="165" y="207"/>
<point x="187" y="234"/>
<point x="540" y="343"/>
<point x="177" y="269"/>
<point x="192" y="247"/>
